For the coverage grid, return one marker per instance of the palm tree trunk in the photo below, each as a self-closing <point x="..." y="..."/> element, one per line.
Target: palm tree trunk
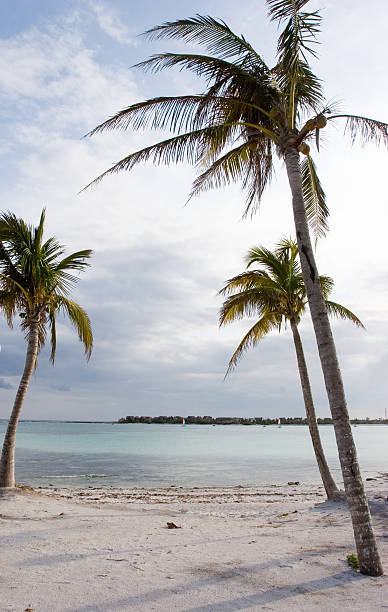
<point x="331" y="488"/>
<point x="368" y="555"/>
<point x="7" y="463"/>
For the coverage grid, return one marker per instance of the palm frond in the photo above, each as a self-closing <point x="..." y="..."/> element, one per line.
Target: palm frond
<point x="284" y="9"/>
<point x="240" y="305"/>
<point x="365" y="129"/>
<point x="8" y="266"/>
<point x="243" y="281"/>
<point x="177" y="113"/>
<point x="302" y="88"/>
<point x="327" y="284"/>
<point x="171" y="112"/>
<point x="259" y="330"/>
<point x="81" y="322"/>
<point x="75" y="261"/>
<point x="250" y="162"/>
<point x="339" y="311"/>
<point x="8" y="305"/>
<point x="210" y="33"/>
<point x="259" y="172"/>
<point x="53" y="334"/>
<point x="210" y="67"/>
<point x="188" y="147"/>
<point x="299" y="33"/>
<point x="253" y="299"/>
<point x="275" y="265"/>
<point x="229" y="167"/>
<point x="287" y="248"/>
<point x="315" y="199"/>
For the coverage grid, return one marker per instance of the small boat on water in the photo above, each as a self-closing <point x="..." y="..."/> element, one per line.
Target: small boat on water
<point x="183" y="422"/>
<point x="279" y="423"/>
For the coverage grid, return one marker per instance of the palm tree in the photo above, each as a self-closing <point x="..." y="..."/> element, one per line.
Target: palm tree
<point x="248" y="114"/>
<point x="276" y="292"/>
<point x="35" y="281"/>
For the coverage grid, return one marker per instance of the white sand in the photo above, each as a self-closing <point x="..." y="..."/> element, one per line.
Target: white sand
<point x="238" y="548"/>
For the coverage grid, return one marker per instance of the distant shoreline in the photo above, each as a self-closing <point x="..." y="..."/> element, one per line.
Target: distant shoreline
<point x="190" y="420"/>
<point x="208" y="420"/>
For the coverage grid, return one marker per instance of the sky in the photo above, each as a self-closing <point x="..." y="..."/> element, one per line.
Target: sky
<point x="157" y="265"/>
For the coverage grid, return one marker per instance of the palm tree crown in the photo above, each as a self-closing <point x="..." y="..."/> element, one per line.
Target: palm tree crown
<point x="249" y="112"/>
<point x="35" y="281"/>
<point x="275" y="293"/>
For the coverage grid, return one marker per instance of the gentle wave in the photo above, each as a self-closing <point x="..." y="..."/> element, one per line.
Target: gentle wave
<point x="80" y="476"/>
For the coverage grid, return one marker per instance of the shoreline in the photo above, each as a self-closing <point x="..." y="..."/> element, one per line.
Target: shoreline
<point x="261" y="547"/>
<point x="259" y="421"/>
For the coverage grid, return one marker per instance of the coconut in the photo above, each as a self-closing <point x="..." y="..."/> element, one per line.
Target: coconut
<point x="321" y="121"/>
<point x="310" y="125"/>
<point x="304" y="148"/>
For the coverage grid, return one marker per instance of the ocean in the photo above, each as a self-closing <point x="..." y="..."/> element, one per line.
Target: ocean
<point x="51" y="453"/>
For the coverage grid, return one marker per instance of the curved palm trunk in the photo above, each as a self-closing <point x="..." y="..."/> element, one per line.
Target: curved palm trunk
<point x="331" y="488"/>
<point x="7" y="463"/>
<point x="368" y="555"/>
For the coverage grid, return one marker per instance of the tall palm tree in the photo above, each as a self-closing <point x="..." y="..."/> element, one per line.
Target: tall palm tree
<point x="35" y="281"/>
<point x="248" y="114"/>
<point x="277" y="294"/>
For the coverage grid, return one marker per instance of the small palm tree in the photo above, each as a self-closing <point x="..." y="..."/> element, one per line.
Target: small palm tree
<point x="249" y="114"/>
<point x="35" y="281"/>
<point x="277" y="294"/>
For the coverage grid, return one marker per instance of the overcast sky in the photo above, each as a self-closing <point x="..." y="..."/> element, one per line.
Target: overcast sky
<point x="151" y="291"/>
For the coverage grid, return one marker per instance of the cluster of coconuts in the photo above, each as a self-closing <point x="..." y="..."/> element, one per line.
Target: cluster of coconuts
<point x="312" y="124"/>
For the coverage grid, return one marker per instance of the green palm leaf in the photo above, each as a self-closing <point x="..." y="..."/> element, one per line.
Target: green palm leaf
<point x="327" y="285"/>
<point x="81" y="322"/>
<point x="314" y="198"/>
<point x="339" y="311"/>
<point x="257" y="332"/>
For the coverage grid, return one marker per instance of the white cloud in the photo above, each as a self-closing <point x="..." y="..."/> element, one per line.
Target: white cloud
<point x="110" y="23"/>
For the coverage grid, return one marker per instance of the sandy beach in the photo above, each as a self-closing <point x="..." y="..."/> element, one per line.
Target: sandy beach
<point x="235" y="548"/>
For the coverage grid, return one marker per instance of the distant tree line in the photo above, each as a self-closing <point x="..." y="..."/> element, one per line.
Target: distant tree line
<point x="208" y="420"/>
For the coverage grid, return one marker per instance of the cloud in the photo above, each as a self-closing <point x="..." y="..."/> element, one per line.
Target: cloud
<point x="110" y="23"/>
<point x="4" y="384"/>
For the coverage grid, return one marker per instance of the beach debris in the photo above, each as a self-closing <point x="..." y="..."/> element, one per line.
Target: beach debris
<point x="353" y="562"/>
<point x="287" y="513"/>
<point x="171" y="525"/>
<point x="293" y="483"/>
<point x="110" y="559"/>
<point x="29" y="610"/>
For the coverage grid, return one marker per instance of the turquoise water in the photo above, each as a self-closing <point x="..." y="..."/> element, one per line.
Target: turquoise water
<point x="101" y="454"/>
